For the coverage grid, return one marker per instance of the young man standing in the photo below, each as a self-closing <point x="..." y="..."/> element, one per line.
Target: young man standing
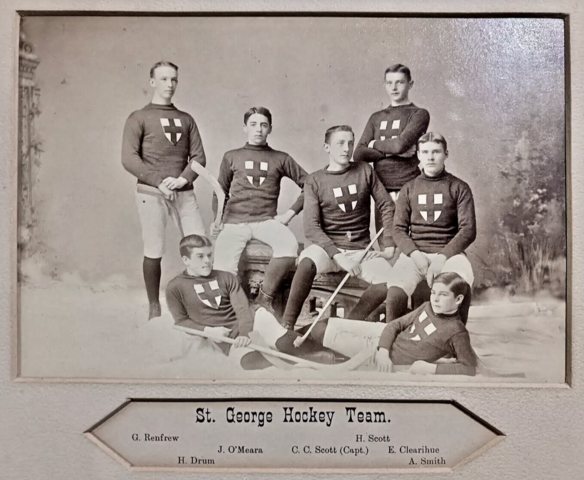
<point x="251" y="177"/>
<point x="389" y="138"/>
<point x="337" y="201"/>
<point x="434" y="224"/>
<point x="159" y="141"/>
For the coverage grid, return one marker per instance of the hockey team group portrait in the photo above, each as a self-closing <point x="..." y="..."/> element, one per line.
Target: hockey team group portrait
<point x="293" y="198"/>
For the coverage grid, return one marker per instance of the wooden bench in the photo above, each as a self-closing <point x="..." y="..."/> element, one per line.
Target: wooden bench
<point x="253" y="264"/>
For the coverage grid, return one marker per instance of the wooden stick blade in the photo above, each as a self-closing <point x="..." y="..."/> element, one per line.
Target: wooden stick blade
<point x="204" y="173"/>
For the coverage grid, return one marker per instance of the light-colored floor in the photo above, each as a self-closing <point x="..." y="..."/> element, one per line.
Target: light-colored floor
<point x="76" y="332"/>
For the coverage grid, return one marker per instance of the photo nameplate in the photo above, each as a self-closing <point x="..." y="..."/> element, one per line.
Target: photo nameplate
<point x="258" y="435"/>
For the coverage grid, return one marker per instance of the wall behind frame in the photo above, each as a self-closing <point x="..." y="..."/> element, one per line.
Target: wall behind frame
<point x="472" y="75"/>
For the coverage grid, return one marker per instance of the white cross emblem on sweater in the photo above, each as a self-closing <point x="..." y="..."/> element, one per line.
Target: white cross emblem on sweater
<point x="394" y="126"/>
<point x="256" y="172"/>
<point x="346" y="197"/>
<point x="427" y="208"/>
<point x="209" y="294"/>
<point x="422" y="327"/>
<point x="172" y="128"/>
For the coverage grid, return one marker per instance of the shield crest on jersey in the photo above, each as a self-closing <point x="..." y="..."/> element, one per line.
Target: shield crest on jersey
<point x="430" y="206"/>
<point x="209" y="294"/>
<point x="256" y="172"/>
<point x="172" y="128"/>
<point x="422" y="327"/>
<point x="346" y="197"/>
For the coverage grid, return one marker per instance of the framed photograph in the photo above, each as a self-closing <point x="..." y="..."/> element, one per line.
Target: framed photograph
<point x="263" y="201"/>
<point x="489" y="208"/>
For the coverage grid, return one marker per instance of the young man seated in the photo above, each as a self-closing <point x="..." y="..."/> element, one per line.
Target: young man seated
<point x="434" y="224"/>
<point x="214" y="302"/>
<point x="251" y="177"/>
<point x="337" y="202"/>
<point x="421" y="338"/>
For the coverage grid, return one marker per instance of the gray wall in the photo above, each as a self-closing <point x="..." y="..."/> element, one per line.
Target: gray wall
<point x="478" y="78"/>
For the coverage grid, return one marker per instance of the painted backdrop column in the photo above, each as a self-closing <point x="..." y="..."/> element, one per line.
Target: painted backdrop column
<point x="28" y="143"/>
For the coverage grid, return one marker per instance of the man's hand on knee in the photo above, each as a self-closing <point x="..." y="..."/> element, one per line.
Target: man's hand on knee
<point x="347" y="264"/>
<point x="388" y="253"/>
<point x="435" y="268"/>
<point x="422" y="262"/>
<point x="285" y="218"/>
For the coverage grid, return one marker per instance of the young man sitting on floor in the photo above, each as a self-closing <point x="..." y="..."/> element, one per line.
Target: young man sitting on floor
<point x="421" y="338"/>
<point x="213" y="302"/>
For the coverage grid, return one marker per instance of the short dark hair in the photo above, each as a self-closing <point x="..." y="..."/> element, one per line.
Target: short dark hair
<point x="193" y="241"/>
<point x="432" y="137"/>
<point x="454" y="282"/>
<point x="398" y="68"/>
<point x="162" y="63"/>
<point x="261" y="110"/>
<point x="337" y="128"/>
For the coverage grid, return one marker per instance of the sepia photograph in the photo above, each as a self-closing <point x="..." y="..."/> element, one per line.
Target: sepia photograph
<point x="293" y="198"/>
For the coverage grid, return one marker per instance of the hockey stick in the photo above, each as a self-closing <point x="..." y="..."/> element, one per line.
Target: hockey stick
<point x="203" y="172"/>
<point x="258" y="340"/>
<point x="351" y="364"/>
<point x="300" y="340"/>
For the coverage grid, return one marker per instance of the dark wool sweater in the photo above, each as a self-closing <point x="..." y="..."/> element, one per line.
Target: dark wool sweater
<point x="425" y="335"/>
<point x="435" y="215"/>
<point x="214" y="301"/>
<point x="337" y="208"/>
<point x="395" y="131"/>
<point x="159" y="141"/>
<point x="251" y="176"/>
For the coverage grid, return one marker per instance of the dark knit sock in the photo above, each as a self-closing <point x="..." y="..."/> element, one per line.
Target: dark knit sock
<point x="396" y="303"/>
<point x="464" y="308"/>
<point x="276" y="271"/>
<point x="371" y="299"/>
<point x="152" y="272"/>
<point x="421" y="294"/>
<point x="317" y="333"/>
<point x="301" y="285"/>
